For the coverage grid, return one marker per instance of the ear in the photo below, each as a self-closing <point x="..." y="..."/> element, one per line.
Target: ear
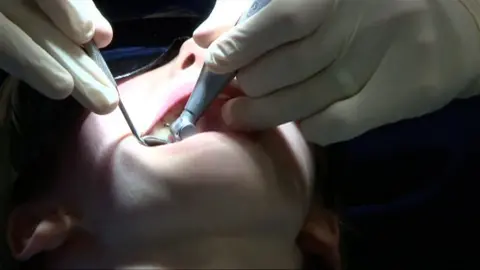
<point x="33" y="229"/>
<point x="321" y="236"/>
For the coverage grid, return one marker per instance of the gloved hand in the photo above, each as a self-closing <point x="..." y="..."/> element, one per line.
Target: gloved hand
<point x="40" y="44"/>
<point x="343" y="67"/>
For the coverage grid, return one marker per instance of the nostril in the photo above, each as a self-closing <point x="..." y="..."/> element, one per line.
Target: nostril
<point x="189" y="61"/>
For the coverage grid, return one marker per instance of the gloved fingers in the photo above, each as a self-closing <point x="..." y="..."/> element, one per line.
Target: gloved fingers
<point x="350" y="118"/>
<point x="293" y="102"/>
<point x="24" y="59"/>
<point x="80" y="20"/>
<point x="278" y="23"/>
<point x="337" y="43"/>
<point x="92" y="88"/>
<point x="68" y="16"/>
<point x="406" y="85"/>
<point x="222" y="18"/>
<point x="103" y="29"/>
<point x="344" y="78"/>
<point x="290" y="64"/>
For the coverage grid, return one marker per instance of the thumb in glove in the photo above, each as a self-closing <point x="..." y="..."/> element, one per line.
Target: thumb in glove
<point x="223" y="17"/>
<point x="79" y="20"/>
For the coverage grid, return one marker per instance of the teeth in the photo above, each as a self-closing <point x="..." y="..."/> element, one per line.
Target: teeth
<point x="162" y="132"/>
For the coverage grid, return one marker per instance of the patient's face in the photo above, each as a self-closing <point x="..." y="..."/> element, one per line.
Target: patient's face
<point x="214" y="186"/>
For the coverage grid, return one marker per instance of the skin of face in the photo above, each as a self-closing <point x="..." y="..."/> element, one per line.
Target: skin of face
<point x="215" y="200"/>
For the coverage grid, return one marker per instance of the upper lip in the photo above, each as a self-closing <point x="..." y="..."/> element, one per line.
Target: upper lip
<point x="180" y="95"/>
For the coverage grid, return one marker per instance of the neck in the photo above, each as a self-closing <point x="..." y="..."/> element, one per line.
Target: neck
<point x="212" y="253"/>
<point x="225" y="253"/>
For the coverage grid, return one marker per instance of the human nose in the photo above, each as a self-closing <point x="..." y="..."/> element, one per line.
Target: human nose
<point x="190" y="56"/>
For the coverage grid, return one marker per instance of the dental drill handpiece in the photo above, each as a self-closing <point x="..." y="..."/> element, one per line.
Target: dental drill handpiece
<point x="209" y="85"/>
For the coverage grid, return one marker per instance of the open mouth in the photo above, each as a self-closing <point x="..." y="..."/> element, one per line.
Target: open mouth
<point x="174" y="107"/>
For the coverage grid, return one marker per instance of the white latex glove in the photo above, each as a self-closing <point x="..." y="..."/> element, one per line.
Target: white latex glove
<point x="40" y="44"/>
<point x="343" y="67"/>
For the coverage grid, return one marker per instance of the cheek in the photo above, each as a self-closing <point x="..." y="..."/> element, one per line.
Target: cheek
<point x="133" y="184"/>
<point x="98" y="132"/>
<point x="215" y="177"/>
<point x="213" y="181"/>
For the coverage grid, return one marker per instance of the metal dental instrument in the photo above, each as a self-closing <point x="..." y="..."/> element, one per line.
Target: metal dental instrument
<point x="207" y="89"/>
<point x="94" y="53"/>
